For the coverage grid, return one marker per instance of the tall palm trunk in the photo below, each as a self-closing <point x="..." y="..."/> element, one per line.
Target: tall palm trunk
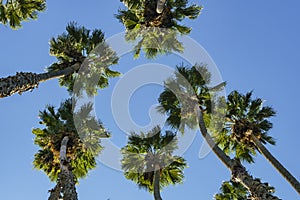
<point x="239" y="173"/>
<point x="66" y="180"/>
<point x="25" y="81"/>
<point x="156" y="183"/>
<point x="281" y="169"/>
<point x="160" y="6"/>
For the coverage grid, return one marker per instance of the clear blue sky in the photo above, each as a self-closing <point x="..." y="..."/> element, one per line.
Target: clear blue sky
<point x="255" y="45"/>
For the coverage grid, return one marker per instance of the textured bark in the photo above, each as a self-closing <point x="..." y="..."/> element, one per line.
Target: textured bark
<point x="281" y="169"/>
<point x="160" y="6"/>
<point x="27" y="81"/>
<point x="258" y="190"/>
<point x="156" y="183"/>
<point x="65" y="188"/>
<point x="55" y="192"/>
<point x="68" y="185"/>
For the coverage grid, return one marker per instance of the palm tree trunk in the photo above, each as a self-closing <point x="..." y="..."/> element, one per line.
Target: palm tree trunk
<point x="25" y="81"/>
<point x="55" y="192"/>
<point x="160" y="6"/>
<point x="258" y="190"/>
<point x="280" y="168"/>
<point x="149" y="12"/>
<point x="156" y="183"/>
<point x="66" y="180"/>
<point x="210" y="141"/>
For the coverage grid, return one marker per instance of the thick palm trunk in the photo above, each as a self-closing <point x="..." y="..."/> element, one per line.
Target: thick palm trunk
<point x="25" y="81"/>
<point x="160" y="6"/>
<point x="66" y="180"/>
<point x="258" y="190"/>
<point x="282" y="170"/>
<point x="156" y="183"/>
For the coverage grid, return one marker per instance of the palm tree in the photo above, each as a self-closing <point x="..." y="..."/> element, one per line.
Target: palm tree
<point x="148" y="160"/>
<point x="246" y="131"/>
<point x="79" y="48"/>
<point x="67" y="153"/>
<point x="13" y="12"/>
<point x="156" y="22"/>
<point x="188" y="102"/>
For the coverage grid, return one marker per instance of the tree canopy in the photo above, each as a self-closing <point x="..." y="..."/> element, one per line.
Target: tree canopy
<point x="14" y="12"/>
<point x="146" y="150"/>
<point x="83" y="145"/>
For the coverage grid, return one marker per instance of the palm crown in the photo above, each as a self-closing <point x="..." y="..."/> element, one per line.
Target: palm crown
<point x="83" y="145"/>
<point x="245" y="117"/>
<point x="145" y="152"/>
<point x="143" y="12"/>
<point x="184" y="95"/>
<point x="80" y="45"/>
<point x="157" y="29"/>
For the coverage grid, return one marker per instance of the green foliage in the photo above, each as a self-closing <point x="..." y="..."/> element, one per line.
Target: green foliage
<point x="76" y="43"/>
<point x="13" y="12"/>
<point x="232" y="191"/>
<point x="144" y="13"/>
<point x="83" y="145"/>
<point x="245" y="117"/>
<point x="154" y="41"/>
<point x="80" y="45"/>
<point x="146" y="150"/>
<point x="236" y="191"/>
<point x="132" y="4"/>
<point x="156" y="32"/>
<point x="185" y="95"/>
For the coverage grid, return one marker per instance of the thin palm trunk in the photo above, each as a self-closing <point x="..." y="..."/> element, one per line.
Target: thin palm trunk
<point x="66" y="180"/>
<point x="281" y="169"/>
<point x="55" y="192"/>
<point x="160" y="6"/>
<point x="156" y="183"/>
<point x="25" y="81"/>
<point x="239" y="173"/>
